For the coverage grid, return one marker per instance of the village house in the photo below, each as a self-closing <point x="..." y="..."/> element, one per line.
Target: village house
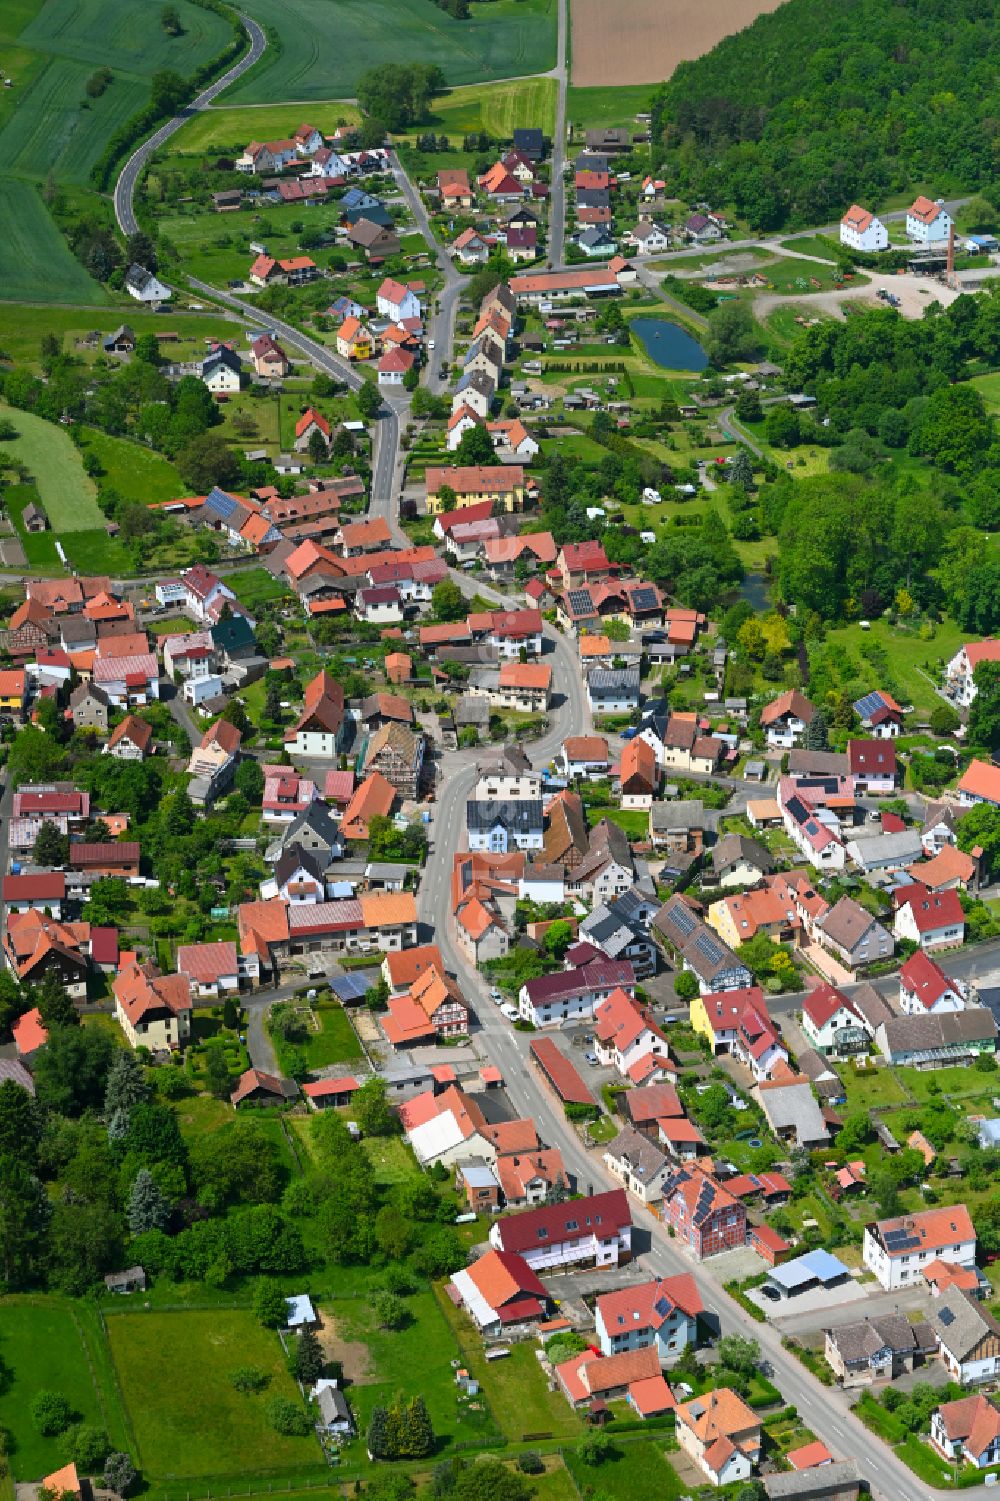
<point x="831" y="1024"/>
<point x="701" y="951"/>
<point x="130" y="740"/>
<point x="925" y="989"/>
<point x="638" y="1164"/>
<point x="721" y="1434"/>
<point x="592" y="1231"/>
<point x="786" y="719"/>
<point x="931" y="919"/>
<point x="320" y="728"/>
<point x="703" y="1214"/>
<point x="573" y="994"/>
<point x="897" y="1250"/>
<point x="500" y="1292"/>
<point x="852" y="934"/>
<point x="967" y="1429"/>
<point x="153" y="1010"/>
<point x="501" y="485"/>
<point x="928" y="222"/>
<point x="862" y="230"/>
<point x="876" y="1349"/>
<point x="959" y="679"/>
<point x="968" y="1338"/>
<point x="662" y="1313"/>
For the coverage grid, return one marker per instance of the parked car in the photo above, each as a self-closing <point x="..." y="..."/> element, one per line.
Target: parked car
<point x="592" y="1059"/>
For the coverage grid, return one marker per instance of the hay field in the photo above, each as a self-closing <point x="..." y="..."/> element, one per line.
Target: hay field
<point x="642" y="41"/>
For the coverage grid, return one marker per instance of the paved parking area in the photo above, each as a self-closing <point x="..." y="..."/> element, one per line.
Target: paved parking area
<point x="813" y="1307"/>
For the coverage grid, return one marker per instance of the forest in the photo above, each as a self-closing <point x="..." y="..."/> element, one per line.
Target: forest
<point x="791" y="132"/>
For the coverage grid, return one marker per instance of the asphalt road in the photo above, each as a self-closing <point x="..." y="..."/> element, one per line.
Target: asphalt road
<point x="557" y="197"/>
<point x="130" y="173"/>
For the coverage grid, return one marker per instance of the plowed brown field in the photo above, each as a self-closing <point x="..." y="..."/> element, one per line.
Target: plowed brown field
<point x="642" y="41"/>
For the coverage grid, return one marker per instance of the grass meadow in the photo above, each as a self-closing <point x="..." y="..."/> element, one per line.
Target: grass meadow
<point x="55" y="464"/>
<point x="592" y="108"/>
<point x="42" y="1348"/>
<point x="226" y="126"/>
<point x="135" y="472"/>
<point x="325" y="49"/>
<point x="38" y="264"/>
<point x="187" y="1417"/>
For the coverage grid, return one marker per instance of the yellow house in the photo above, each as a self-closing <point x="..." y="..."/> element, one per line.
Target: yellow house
<point x="741" y="917"/>
<point x="13" y="691"/>
<point x="153" y="1010"/>
<point x="698" y="1017"/>
<point x="473" y="484"/>
<point x="354" y="340"/>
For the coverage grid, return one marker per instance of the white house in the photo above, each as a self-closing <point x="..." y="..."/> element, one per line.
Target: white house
<point x="663" y="1313"/>
<point x="925" y="989"/>
<point x="968" y="1429"/>
<point x="222" y="370"/>
<point x="592" y="1231"/>
<point x="785" y="719"/>
<point x="968" y="1338"/>
<point x="958" y="674"/>
<point x="203" y="591"/>
<point x="927" y="221"/>
<point x="308" y="140"/>
<point x="144" y="286"/>
<point x="638" y="1164"/>
<point x="397" y="301"/>
<point x="861" y="230"/>
<point x="831" y="1024"/>
<point x="897" y="1250"/>
<point x="931" y="919"/>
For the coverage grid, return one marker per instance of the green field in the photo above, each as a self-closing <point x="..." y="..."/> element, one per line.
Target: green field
<point x="497" y="108"/>
<point x="637" y="1472"/>
<point x="909" y="657"/>
<point x="22" y="329"/>
<point x="38" y="264"/>
<point x="50" y="130"/>
<point x="256" y="587"/>
<point x="227" y="126"/>
<point x="173" y="1369"/>
<point x="336" y="1041"/>
<point x="590" y="108"/>
<point x="137" y="473"/>
<point x="42" y="1349"/>
<point x="392" y="1160"/>
<point x="39" y="547"/>
<point x="125" y="35"/>
<point x="325" y="49"/>
<point x="55" y="465"/>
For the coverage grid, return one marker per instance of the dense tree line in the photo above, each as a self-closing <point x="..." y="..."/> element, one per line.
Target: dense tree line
<point x="396" y="95"/>
<point x="820" y="104"/>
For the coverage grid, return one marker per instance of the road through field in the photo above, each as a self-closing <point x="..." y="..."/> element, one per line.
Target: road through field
<point x="642" y="41"/>
<point x="129" y="176"/>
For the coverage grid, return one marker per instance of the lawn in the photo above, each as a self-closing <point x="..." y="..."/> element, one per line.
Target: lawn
<point x="634" y="821"/>
<point x="68" y="494"/>
<point x="590" y="108"/>
<point x="137" y="473"/>
<point x="188" y="1419"/>
<point x="517" y="1388"/>
<point x="24" y="328"/>
<point x="788" y="275"/>
<point x="38" y="263"/>
<point x="417" y="1358"/>
<point x="819" y="245"/>
<point x="910" y="658"/>
<point x="42" y="1348"/>
<point x="257" y="587"/>
<point x="988" y="387"/>
<point x="639" y="1472"/>
<point x="324" y="50"/>
<point x="497" y="108"/>
<point x="337" y="1041"/>
<point x="96" y="552"/>
<point x="39" y="547"/>
<point x="228" y="125"/>
<point x="871" y="1090"/>
<point x="392" y="1160"/>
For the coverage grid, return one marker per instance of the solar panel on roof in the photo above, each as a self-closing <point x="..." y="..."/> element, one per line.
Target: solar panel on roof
<point x="869" y="705"/>
<point x="224" y="505"/>
<point x="580" y="601"/>
<point x="644" y="599"/>
<point x="707" y="946"/>
<point x="947" y="1317"/>
<point x="349" y="987"/>
<point x="683" y="919"/>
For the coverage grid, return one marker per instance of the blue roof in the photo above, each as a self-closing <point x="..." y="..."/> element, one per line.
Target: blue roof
<point x="350" y="987"/>
<point x="814" y="1266"/>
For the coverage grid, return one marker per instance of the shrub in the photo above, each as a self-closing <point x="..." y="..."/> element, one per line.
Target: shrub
<point x="529" y="1462"/>
<point x="249" y="1378"/>
<point x="287" y="1417"/>
<point x="51" y="1413"/>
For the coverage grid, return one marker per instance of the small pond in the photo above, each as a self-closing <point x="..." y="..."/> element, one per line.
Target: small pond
<point x="668" y="344"/>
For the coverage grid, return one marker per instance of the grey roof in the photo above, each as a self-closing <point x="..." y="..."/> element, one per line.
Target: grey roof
<point x="644" y="1159"/>
<point x="14" y="1070"/>
<point x="817" y="763"/>
<point x="84" y="691"/>
<point x="607" y="842"/>
<point x="292" y="857"/>
<point x="386" y="870"/>
<point x="960" y="1323"/>
<point x="847" y="923"/>
<point x="506" y="760"/>
<point x="886" y="849"/>
<point x="675" y="817"/>
<point x="793" y="1107"/>
<point x="473" y="710"/>
<point x="814" y="1066"/>
<point x="700" y="946"/>
<point x="522" y="816"/>
<point x="485" y="679"/>
<point x="320" y="822"/>
<point x="938" y="813"/>
<point x="872" y="1005"/>
<point x="332" y="1405"/>
<point x="919" y="1034"/>
<point x="478" y="1174"/>
<point x="612" y="682"/>
<point x="865" y="1338"/>
<point x="822" y="1481"/>
<point x="737" y="849"/>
